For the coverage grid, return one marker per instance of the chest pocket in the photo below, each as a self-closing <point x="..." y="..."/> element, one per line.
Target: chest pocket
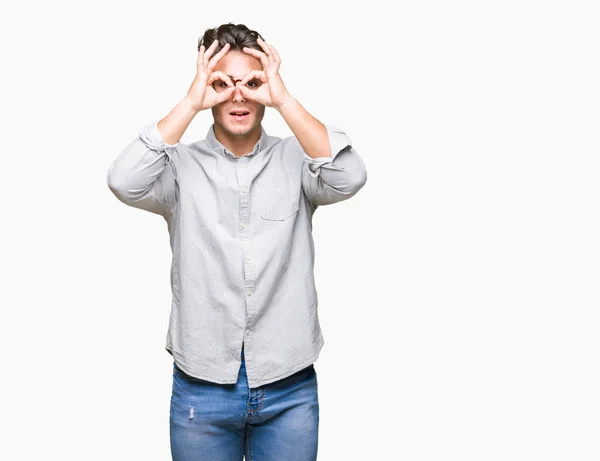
<point x="278" y="197"/>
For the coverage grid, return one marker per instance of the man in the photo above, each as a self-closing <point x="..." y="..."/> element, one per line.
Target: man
<point x="244" y="329"/>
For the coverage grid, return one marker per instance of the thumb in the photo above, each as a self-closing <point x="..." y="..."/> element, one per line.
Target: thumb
<point x="227" y="93"/>
<point x="245" y="92"/>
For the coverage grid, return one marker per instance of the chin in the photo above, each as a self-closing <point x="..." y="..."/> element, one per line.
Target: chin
<point x="238" y="129"/>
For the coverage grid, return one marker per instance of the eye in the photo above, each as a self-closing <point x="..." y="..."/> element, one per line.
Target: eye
<point x="254" y="83"/>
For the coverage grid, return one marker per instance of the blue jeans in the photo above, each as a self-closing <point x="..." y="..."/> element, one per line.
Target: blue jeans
<point x="225" y="422"/>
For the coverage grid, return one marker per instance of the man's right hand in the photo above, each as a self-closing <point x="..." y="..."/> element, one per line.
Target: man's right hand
<point x="201" y="94"/>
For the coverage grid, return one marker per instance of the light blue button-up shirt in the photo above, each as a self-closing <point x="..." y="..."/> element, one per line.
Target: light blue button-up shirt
<point x="241" y="238"/>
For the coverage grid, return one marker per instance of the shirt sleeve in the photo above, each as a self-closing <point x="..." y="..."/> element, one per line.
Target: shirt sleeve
<point x="152" y="138"/>
<point x="144" y="174"/>
<point x="327" y="180"/>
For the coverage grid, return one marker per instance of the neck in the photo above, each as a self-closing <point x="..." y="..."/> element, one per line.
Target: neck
<point x="238" y="145"/>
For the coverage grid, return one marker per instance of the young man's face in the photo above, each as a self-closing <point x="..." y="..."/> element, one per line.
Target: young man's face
<point x="237" y="65"/>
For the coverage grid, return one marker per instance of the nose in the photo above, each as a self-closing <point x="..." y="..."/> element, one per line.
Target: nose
<point x="237" y="93"/>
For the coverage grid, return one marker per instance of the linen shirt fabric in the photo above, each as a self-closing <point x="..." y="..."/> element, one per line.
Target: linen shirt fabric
<point x="240" y="232"/>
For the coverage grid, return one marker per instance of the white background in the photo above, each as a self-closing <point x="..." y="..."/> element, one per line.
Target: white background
<point x="458" y="289"/>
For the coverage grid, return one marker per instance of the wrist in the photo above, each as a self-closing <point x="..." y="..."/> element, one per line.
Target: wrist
<point x="189" y="106"/>
<point x="288" y="102"/>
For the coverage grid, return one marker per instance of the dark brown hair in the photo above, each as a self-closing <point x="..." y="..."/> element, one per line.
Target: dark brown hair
<point x="237" y="35"/>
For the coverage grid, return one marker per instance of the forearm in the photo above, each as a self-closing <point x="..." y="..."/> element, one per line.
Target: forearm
<point x="174" y="124"/>
<point x="310" y="132"/>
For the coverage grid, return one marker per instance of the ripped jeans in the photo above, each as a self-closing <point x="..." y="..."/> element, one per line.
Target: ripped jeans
<point x="225" y="422"/>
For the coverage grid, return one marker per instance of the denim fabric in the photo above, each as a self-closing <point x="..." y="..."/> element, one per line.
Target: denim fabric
<point x="225" y="422"/>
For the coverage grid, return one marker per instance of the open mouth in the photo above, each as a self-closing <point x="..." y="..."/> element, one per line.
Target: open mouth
<point x="240" y="115"/>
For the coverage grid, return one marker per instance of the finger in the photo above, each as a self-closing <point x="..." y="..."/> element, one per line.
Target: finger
<point x="263" y="45"/>
<point x="254" y="74"/>
<point x="275" y="54"/>
<point x="266" y="48"/>
<point x="225" y="94"/>
<point x="200" y="61"/>
<point x="210" y="51"/>
<point x="217" y="57"/>
<point x="218" y="75"/>
<point x="258" y="54"/>
<point x="246" y="93"/>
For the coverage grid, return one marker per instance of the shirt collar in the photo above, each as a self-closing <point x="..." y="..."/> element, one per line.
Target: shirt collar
<point x="214" y="144"/>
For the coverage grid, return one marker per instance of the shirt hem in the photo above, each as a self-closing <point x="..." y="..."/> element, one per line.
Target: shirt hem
<point x="252" y="385"/>
<point x="303" y="365"/>
<point x="210" y="378"/>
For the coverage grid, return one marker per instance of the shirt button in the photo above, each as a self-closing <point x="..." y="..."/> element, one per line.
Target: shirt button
<point x="249" y="293"/>
<point x="243" y="226"/>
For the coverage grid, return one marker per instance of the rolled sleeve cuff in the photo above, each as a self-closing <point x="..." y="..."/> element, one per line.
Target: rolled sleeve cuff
<point x="338" y="141"/>
<point x="153" y="139"/>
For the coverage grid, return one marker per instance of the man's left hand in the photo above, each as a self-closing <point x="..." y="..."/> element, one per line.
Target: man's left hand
<point x="272" y="91"/>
